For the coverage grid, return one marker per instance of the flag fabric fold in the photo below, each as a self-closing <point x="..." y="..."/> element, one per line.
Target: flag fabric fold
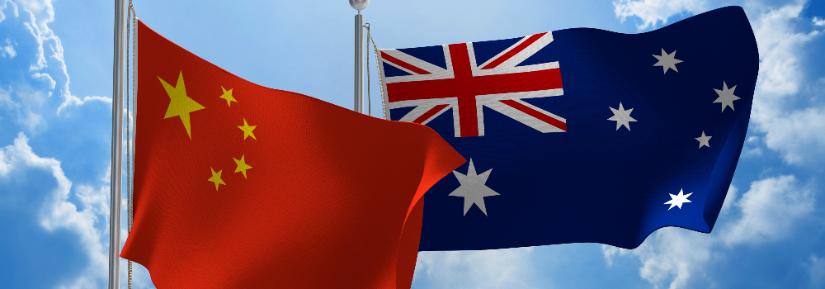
<point x="243" y="186"/>
<point x="580" y="135"/>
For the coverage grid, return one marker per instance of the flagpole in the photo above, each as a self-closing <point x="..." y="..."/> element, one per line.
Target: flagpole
<point x="359" y="5"/>
<point x="117" y="145"/>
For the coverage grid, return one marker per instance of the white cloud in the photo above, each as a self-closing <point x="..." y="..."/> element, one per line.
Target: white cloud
<point x="58" y="212"/>
<point x="671" y="257"/>
<point x="7" y="50"/>
<point x="4" y="4"/>
<point x="795" y="135"/>
<point x="674" y="257"/>
<point x="654" y="12"/>
<point x="769" y="210"/>
<point x="48" y="65"/>
<point x="485" y="269"/>
<point x="785" y="116"/>
<point x="818" y="22"/>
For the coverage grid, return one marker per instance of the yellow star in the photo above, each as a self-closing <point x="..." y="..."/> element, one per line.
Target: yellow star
<point x="227" y="95"/>
<point x="248" y="130"/>
<point x="216" y="178"/>
<point x="180" y="104"/>
<point x="241" y="166"/>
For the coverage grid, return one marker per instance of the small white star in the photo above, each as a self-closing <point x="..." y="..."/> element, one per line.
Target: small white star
<point x="667" y="61"/>
<point x="726" y="96"/>
<point x="678" y="200"/>
<point x="704" y="140"/>
<point x="473" y="188"/>
<point x="622" y="117"/>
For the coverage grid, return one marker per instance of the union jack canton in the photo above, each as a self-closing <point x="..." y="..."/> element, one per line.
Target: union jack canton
<point x="457" y="82"/>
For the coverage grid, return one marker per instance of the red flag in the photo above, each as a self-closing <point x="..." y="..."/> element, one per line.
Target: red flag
<point x="242" y="186"/>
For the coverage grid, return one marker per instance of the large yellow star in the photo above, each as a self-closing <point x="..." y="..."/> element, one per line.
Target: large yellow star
<point x="241" y="166"/>
<point x="180" y="104"/>
<point x="227" y="95"/>
<point x="216" y="178"/>
<point x="248" y="130"/>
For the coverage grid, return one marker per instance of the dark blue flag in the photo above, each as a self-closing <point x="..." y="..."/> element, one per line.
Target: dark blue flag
<point x="580" y="135"/>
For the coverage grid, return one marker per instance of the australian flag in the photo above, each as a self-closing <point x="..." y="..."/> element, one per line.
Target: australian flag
<point x="580" y="135"/>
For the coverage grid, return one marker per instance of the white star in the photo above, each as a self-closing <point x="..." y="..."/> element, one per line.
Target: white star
<point x="726" y="96"/>
<point x="473" y="189"/>
<point x="667" y="61"/>
<point x="622" y="117"/>
<point x="704" y="140"/>
<point x="678" y="200"/>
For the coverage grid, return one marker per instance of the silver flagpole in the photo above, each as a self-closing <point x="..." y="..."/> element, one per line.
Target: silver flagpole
<point x="117" y="144"/>
<point x="359" y="53"/>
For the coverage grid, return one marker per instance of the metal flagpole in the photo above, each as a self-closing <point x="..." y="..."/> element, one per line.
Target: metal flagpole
<point x="117" y="145"/>
<point x="359" y="53"/>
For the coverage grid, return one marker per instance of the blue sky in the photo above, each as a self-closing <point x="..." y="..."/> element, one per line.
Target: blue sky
<point x="55" y="84"/>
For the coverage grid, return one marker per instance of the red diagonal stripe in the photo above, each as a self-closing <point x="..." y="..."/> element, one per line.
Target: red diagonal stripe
<point x="427" y="115"/>
<point x="534" y="113"/>
<point x="403" y="64"/>
<point x="514" y="51"/>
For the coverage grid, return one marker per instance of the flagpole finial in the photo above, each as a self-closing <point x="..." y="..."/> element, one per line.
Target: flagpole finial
<point x="359" y="4"/>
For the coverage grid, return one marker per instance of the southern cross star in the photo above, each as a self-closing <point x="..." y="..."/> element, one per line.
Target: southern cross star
<point x="473" y="188"/>
<point x="678" y="200"/>
<point x="726" y="96"/>
<point x="667" y="61"/>
<point x="622" y="117"/>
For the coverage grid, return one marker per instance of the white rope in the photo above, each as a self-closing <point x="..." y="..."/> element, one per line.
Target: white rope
<point x="380" y="71"/>
<point x="131" y="107"/>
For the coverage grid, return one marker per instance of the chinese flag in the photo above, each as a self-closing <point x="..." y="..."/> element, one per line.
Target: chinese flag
<point x="243" y="186"/>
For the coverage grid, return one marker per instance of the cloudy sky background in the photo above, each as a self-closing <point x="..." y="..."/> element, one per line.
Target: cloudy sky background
<point x="55" y="87"/>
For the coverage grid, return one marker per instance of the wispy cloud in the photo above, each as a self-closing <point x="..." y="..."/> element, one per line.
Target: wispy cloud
<point x="486" y="269"/>
<point x="816" y="21"/>
<point x="7" y="50"/>
<point x="59" y="213"/>
<point x="655" y="12"/>
<point x="769" y="210"/>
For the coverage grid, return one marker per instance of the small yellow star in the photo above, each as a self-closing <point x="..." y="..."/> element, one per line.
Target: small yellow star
<point x="180" y="104"/>
<point x="241" y="166"/>
<point x="248" y="130"/>
<point x="227" y="95"/>
<point x="216" y="178"/>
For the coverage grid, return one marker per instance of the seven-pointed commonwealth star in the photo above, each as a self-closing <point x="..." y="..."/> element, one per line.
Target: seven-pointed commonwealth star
<point x="667" y="61"/>
<point x="241" y="166"/>
<point x="180" y="104"/>
<point x="622" y="117"/>
<point x="678" y="200"/>
<point x="248" y="130"/>
<point x="704" y="140"/>
<point x="216" y="178"/>
<point x="726" y="96"/>
<point x="227" y="95"/>
<point x="473" y="188"/>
